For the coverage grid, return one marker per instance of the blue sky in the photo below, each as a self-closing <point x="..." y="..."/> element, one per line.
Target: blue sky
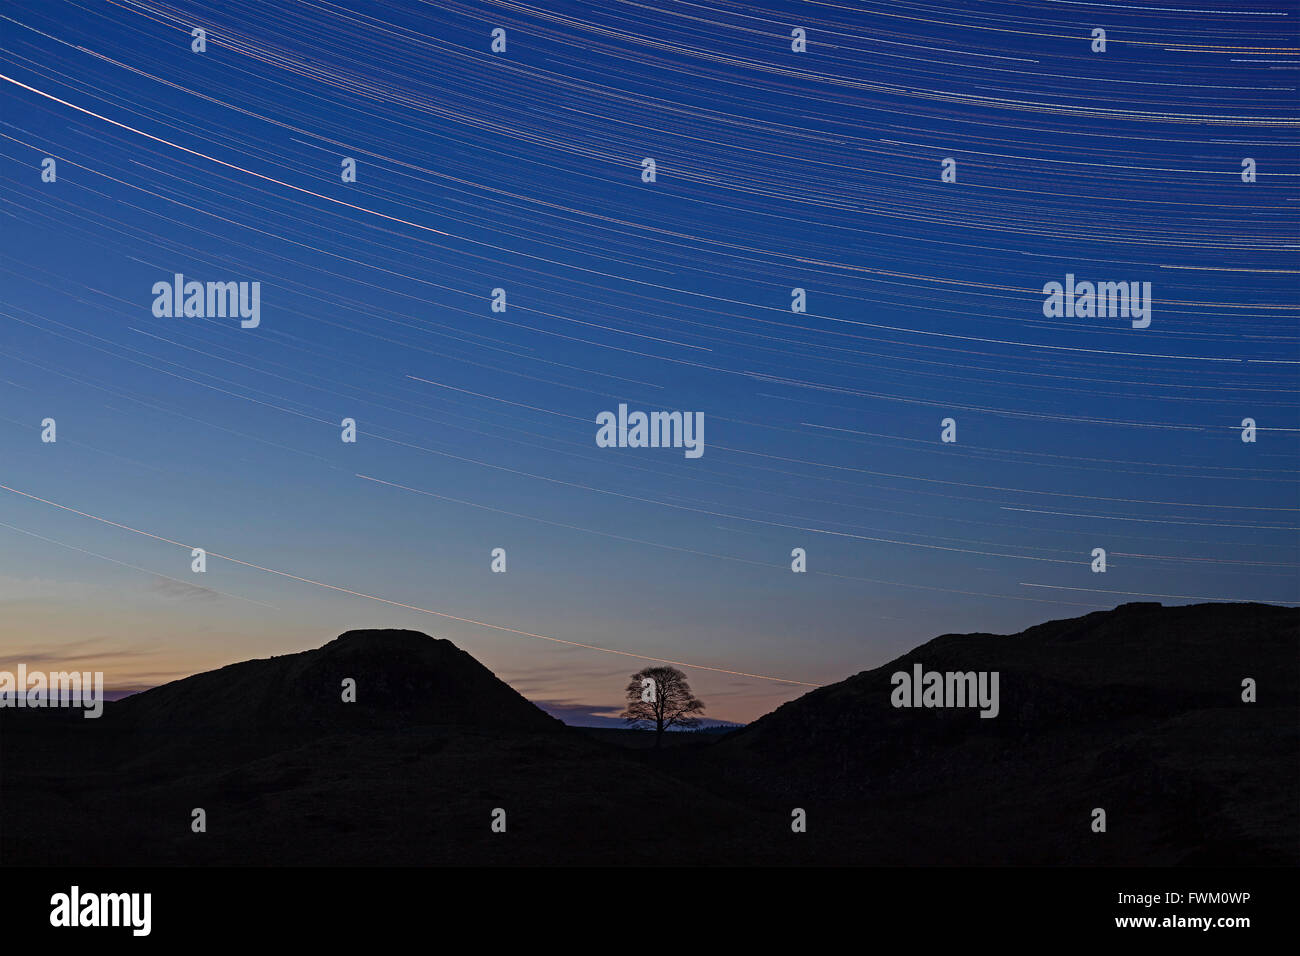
<point x="522" y="170"/>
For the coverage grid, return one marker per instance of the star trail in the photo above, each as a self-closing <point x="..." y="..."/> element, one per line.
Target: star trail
<point x="841" y="258"/>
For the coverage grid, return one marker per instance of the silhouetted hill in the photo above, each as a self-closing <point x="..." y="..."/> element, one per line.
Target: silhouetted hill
<point x="403" y="679"/>
<point x="1137" y="711"/>
<point x="289" y="774"/>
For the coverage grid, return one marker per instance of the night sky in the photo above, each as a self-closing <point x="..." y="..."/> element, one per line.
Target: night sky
<point x="522" y="170"/>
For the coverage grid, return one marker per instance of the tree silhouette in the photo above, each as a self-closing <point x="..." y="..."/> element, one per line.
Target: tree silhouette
<point x="661" y="698"/>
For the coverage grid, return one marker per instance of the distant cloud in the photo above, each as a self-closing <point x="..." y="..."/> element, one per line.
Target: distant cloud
<point x="171" y="587"/>
<point x="582" y="715"/>
<point x="95" y="650"/>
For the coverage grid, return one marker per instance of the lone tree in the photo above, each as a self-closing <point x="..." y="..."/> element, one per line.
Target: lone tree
<point x="660" y="697"/>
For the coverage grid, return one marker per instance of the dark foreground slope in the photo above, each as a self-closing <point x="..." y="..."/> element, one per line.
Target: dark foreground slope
<point x="287" y="773"/>
<point x="1137" y="711"/>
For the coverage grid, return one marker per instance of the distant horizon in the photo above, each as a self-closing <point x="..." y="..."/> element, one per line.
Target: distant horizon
<point x="597" y="715"/>
<point x="574" y="715"/>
